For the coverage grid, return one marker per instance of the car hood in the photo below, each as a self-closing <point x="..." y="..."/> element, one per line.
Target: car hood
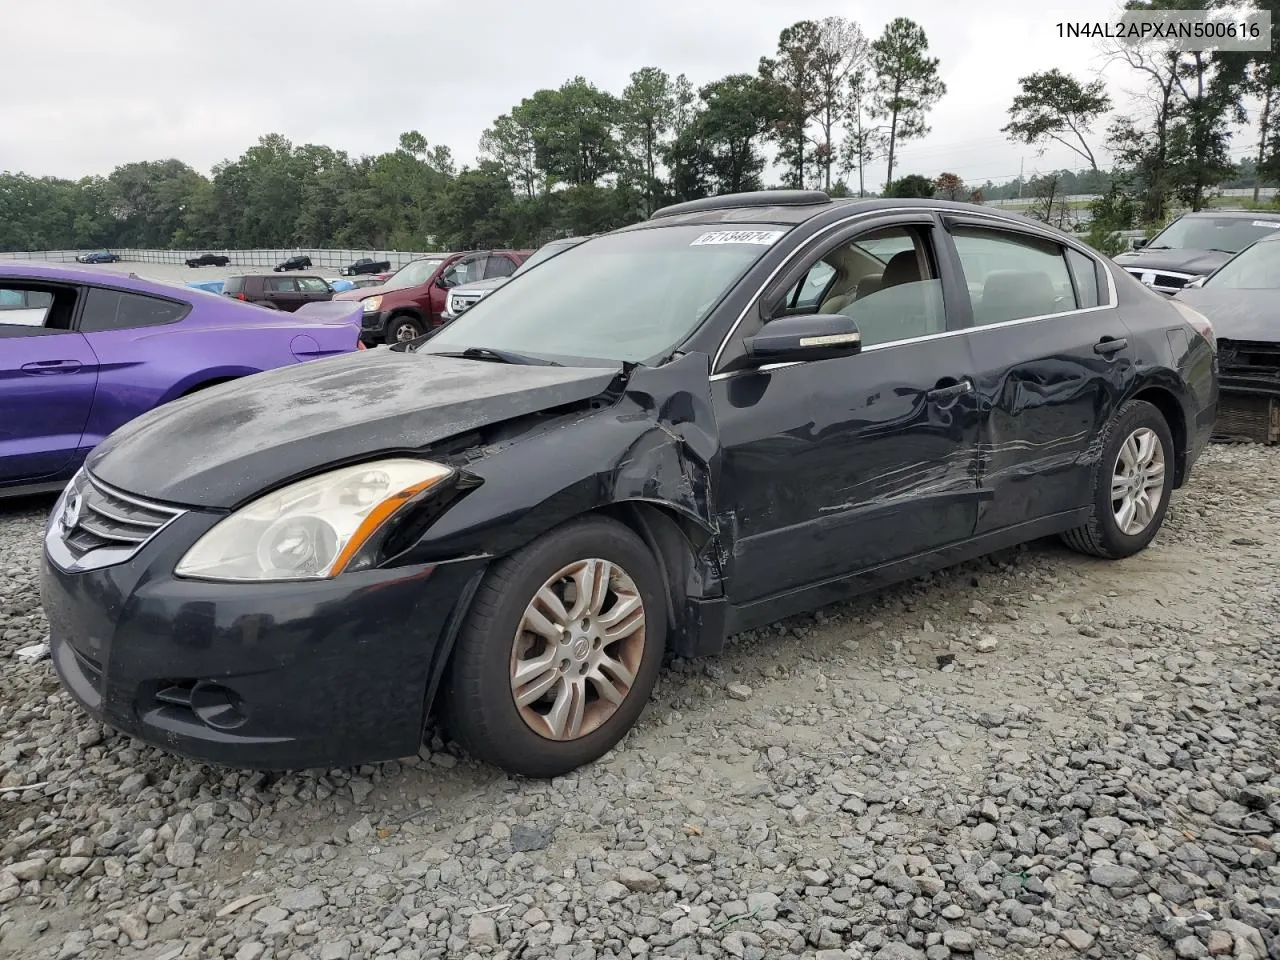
<point x="480" y="286"/>
<point x="225" y="445"/>
<point x="1237" y="314"/>
<point x="1195" y="262"/>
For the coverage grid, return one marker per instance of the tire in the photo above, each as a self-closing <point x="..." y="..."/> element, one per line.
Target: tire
<point x="1138" y="422"/>
<point x="398" y="326"/>
<point x="480" y="710"/>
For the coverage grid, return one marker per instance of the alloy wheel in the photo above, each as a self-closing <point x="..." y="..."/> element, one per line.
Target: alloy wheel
<point x="577" y="650"/>
<point x="1137" y="481"/>
<point x="406" y="332"/>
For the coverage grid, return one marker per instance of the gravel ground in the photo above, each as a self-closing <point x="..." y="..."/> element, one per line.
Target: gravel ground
<point x="1033" y="755"/>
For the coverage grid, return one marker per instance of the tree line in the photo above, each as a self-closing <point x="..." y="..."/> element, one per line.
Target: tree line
<point x="827" y="103"/>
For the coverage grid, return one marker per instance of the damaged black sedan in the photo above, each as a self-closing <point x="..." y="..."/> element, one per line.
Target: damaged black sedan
<point x="741" y="409"/>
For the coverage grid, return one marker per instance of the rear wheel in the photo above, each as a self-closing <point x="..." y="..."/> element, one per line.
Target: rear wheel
<point x="403" y="328"/>
<point x="559" y="652"/>
<point x="1132" y="484"/>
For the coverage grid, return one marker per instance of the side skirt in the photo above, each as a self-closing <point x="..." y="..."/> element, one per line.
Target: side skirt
<point x="771" y="609"/>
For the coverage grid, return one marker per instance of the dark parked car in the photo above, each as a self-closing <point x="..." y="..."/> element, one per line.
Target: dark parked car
<point x="293" y="263"/>
<point x="1242" y="301"/>
<point x="83" y="352"/>
<point x="365" y="265"/>
<point x="102" y="256"/>
<point x="744" y="408"/>
<point x="1194" y="246"/>
<point x="278" y="293"/>
<point x="209" y="260"/>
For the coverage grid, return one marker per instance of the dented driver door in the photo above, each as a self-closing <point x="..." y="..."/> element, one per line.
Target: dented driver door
<point x="834" y="467"/>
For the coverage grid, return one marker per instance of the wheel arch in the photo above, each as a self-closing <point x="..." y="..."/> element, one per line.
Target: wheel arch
<point x="1163" y="398"/>
<point x="411" y="310"/>
<point x="206" y="378"/>
<point x="695" y="626"/>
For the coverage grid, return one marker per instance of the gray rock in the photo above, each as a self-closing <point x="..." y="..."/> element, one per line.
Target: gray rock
<point x="308" y="898"/>
<point x="640" y="881"/>
<point x="526" y="838"/>
<point x="1114" y="876"/>
<point x="960" y="941"/>
<point x="898" y="951"/>
<point x="483" y="930"/>
<point x="1078" y="939"/>
<point x="611" y="891"/>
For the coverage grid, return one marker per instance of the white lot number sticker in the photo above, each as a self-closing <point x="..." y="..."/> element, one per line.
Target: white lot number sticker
<point x="764" y="238"/>
<point x="1272" y="224"/>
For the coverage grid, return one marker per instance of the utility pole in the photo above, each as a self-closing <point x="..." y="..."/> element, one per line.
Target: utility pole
<point x="1021" y="166"/>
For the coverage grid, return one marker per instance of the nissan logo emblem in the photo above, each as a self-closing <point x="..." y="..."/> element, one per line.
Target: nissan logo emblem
<point x="70" y="513"/>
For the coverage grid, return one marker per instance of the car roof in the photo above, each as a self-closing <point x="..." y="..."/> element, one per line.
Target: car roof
<point x="794" y="207"/>
<point x="53" y="272"/>
<point x="1232" y="215"/>
<point x="268" y="276"/>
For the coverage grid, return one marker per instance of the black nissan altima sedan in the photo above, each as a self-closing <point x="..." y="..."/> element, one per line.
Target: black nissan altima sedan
<point x="743" y="408"/>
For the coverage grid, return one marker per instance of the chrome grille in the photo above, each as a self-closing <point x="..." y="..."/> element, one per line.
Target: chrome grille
<point x="1161" y="279"/>
<point x="93" y="516"/>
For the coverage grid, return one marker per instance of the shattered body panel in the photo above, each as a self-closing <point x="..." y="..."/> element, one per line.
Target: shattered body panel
<point x="1247" y="325"/>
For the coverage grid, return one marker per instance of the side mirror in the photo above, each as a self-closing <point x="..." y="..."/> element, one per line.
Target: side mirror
<point x="1139" y="243"/>
<point x="442" y="283"/>
<point x="818" y="336"/>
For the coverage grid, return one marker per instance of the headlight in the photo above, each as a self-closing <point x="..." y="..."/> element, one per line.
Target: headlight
<point x="313" y="529"/>
<point x="371" y="304"/>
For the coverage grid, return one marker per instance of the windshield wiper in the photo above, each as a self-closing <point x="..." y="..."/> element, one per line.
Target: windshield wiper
<point x="499" y="356"/>
<point x="1218" y="250"/>
<point x="1160" y="247"/>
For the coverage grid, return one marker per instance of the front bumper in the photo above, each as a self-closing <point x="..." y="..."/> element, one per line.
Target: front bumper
<point x="373" y="328"/>
<point x="265" y="676"/>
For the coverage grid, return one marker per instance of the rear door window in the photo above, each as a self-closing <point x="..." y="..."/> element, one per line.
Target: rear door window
<point x="106" y="309"/>
<point x="280" y="284"/>
<point x="499" y="267"/>
<point x="1013" y="276"/>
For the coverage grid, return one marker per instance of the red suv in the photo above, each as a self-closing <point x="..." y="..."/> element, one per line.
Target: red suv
<point x="412" y="299"/>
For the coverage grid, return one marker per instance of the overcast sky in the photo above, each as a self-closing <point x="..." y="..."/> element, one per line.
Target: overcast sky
<point x="91" y="84"/>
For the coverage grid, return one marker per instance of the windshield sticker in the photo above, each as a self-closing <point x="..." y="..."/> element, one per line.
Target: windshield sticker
<point x="764" y="238"/>
<point x="1269" y="224"/>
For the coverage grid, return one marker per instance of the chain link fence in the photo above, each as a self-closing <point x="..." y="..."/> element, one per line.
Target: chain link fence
<point x="320" y="259"/>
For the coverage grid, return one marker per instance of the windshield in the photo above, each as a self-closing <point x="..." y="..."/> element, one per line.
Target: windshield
<point x="1257" y="268"/>
<point x="413" y="273"/>
<point x="546" y="252"/>
<point x="1226" y="234"/>
<point x="629" y="296"/>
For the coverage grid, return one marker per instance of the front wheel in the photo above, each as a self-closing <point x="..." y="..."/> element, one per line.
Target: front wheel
<point x="403" y="329"/>
<point x="1132" y="484"/>
<point x="559" y="652"/>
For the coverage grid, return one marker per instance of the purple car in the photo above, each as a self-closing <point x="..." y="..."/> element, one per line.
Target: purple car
<point x="84" y="352"/>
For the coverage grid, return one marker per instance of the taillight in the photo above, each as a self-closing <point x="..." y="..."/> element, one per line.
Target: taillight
<point x="1198" y="322"/>
<point x="240" y="296"/>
